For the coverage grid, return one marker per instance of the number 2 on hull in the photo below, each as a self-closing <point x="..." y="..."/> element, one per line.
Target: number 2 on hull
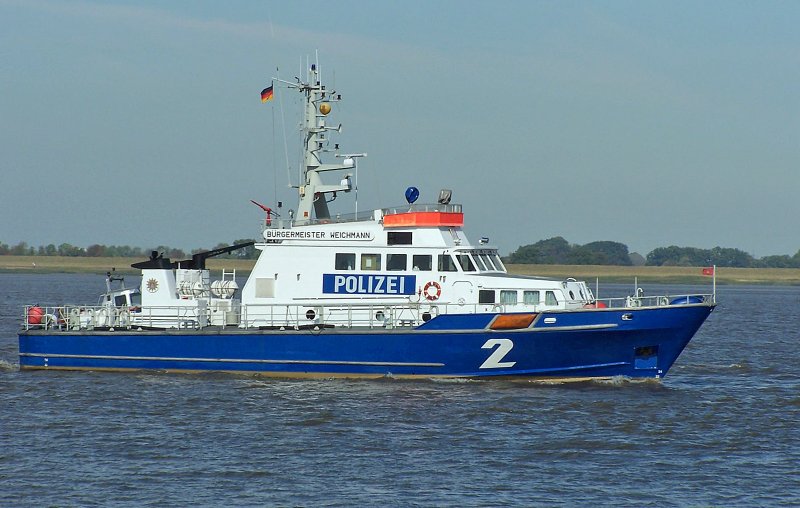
<point x="503" y="347"/>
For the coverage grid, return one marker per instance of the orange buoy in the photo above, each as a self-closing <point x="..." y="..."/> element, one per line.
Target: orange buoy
<point x="35" y="314"/>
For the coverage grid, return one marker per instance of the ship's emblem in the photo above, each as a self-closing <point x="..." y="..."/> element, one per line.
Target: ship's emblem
<point x="152" y="285"/>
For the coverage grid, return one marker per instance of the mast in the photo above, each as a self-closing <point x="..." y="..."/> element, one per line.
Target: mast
<point x="313" y="192"/>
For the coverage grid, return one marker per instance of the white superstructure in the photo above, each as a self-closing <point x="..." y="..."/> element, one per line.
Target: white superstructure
<point x="415" y="260"/>
<point x="391" y="267"/>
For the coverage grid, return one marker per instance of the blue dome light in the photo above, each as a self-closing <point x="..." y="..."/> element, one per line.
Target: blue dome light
<point x="412" y="194"/>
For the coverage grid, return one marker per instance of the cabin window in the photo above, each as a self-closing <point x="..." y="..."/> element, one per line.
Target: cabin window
<point x="396" y="262"/>
<point x="465" y="262"/>
<point x="422" y="262"/>
<point x="120" y="301"/>
<point x="508" y="297"/>
<point x="550" y="298"/>
<point x="447" y="263"/>
<point x="370" y="261"/>
<point x="486" y="296"/>
<point x="398" y="238"/>
<point x="530" y="297"/>
<point x="345" y="261"/>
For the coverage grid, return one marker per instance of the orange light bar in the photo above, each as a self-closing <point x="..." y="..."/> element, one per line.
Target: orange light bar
<point x="512" y="321"/>
<point x="398" y="220"/>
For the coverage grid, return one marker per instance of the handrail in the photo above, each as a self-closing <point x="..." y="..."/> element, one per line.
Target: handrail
<point x="307" y="315"/>
<point x="278" y="223"/>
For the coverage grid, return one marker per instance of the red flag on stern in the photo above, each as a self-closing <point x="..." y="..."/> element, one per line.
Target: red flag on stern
<point x="709" y="270"/>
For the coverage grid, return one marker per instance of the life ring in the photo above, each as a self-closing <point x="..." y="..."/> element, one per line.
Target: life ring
<point x="431" y="296"/>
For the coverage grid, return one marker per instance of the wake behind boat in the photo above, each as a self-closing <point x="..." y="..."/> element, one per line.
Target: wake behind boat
<point x="397" y="291"/>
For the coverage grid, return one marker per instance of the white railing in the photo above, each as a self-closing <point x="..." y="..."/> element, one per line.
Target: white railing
<point x="306" y="316"/>
<point x="73" y="317"/>
<point x="339" y="316"/>
<point x="422" y="207"/>
<point x="657" y="301"/>
<point x="279" y="223"/>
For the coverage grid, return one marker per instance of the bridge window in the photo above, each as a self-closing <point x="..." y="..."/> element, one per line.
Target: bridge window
<point x="345" y="261"/>
<point x="398" y="238"/>
<point x="422" y="262"/>
<point x="370" y="261"/>
<point x="488" y="261"/>
<point x="396" y="262"/>
<point x="447" y="263"/>
<point x="480" y="263"/>
<point x="498" y="263"/>
<point x="465" y="262"/>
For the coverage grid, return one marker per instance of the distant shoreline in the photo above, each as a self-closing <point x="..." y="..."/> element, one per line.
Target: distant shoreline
<point x="663" y="274"/>
<point x="100" y="265"/>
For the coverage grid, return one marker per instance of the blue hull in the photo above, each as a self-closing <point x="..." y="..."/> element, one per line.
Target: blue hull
<point x="638" y="343"/>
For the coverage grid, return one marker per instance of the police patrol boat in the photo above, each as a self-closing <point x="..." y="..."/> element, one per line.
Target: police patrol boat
<point x="397" y="291"/>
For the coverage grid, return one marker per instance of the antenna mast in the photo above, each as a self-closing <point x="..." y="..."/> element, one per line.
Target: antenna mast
<point x="312" y="190"/>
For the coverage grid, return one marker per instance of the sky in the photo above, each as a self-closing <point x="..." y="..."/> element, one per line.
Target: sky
<point x="648" y="123"/>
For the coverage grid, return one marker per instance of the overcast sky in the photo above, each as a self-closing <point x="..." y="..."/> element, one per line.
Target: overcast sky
<point x="649" y="123"/>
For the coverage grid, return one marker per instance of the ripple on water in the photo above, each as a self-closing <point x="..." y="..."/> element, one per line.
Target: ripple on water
<point x="720" y="430"/>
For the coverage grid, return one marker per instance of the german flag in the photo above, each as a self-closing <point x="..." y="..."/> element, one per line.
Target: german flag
<point x="266" y="94"/>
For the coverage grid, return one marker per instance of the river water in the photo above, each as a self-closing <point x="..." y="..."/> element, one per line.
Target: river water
<point x="722" y="429"/>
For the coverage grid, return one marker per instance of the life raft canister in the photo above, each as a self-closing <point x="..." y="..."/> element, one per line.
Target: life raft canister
<point x="35" y="314"/>
<point x="432" y="290"/>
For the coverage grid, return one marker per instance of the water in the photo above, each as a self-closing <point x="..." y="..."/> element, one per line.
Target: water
<point x="721" y="430"/>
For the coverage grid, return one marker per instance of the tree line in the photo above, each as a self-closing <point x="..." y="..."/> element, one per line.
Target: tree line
<point x="553" y="251"/>
<point x="98" y="250"/>
<point x="559" y="251"/>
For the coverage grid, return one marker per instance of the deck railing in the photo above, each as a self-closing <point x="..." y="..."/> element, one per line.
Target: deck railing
<point x="280" y="223"/>
<point x="306" y="315"/>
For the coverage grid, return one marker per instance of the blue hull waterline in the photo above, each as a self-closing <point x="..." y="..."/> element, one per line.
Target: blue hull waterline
<point x="637" y="343"/>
